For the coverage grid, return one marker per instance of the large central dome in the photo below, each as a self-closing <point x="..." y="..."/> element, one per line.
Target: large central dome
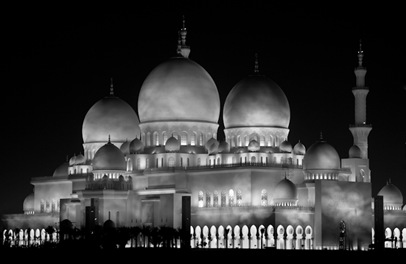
<point x="179" y="89"/>
<point x="256" y="101"/>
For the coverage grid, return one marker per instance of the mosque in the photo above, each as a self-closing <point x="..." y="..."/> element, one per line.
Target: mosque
<point x="136" y="170"/>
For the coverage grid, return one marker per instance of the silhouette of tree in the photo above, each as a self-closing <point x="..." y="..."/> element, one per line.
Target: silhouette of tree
<point x="50" y="230"/>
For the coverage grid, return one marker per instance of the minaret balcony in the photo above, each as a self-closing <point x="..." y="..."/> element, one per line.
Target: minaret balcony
<point x="361" y="125"/>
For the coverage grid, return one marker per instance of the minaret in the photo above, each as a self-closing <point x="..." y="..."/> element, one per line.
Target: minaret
<point x="183" y="49"/>
<point x="360" y="130"/>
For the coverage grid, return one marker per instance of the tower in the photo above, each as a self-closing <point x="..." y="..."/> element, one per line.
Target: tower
<point x="360" y="130"/>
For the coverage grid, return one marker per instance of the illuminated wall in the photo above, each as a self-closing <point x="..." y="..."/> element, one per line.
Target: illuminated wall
<point x="343" y="201"/>
<point x="49" y="192"/>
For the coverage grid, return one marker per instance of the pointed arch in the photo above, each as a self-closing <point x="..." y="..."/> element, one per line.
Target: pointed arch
<point x="254" y="240"/>
<point x="271" y="235"/>
<point x="245" y="241"/>
<point x="220" y="232"/>
<point x="289" y="237"/>
<point x="213" y="232"/>
<point x="280" y="244"/>
<point x="237" y="238"/>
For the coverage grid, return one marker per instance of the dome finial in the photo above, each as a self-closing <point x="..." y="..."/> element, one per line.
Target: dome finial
<point x="109" y="139"/>
<point x="256" y="67"/>
<point x="111" y="87"/>
<point x="183" y="49"/>
<point x="360" y="54"/>
<point x="183" y="22"/>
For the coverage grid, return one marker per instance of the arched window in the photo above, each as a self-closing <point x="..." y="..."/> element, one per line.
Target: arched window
<point x="200" y="202"/>
<point x="171" y="162"/>
<point x="362" y="173"/>
<point x="181" y="161"/>
<point x="156" y="163"/>
<point x="183" y="138"/>
<point x="198" y="162"/>
<point x="264" y="198"/>
<point x="138" y="166"/>
<point x="262" y="141"/>
<point x="223" y="198"/>
<point x="129" y="165"/>
<point x="239" y="141"/>
<point x="156" y="139"/>
<point x="143" y="140"/>
<point x="148" y="139"/>
<point x="239" y="197"/>
<point x="231" y="197"/>
<point x="201" y="139"/>
<point x="215" y="199"/>
<point x="193" y="139"/>
<point x="53" y="206"/>
<point x="253" y="159"/>
<point x="147" y="163"/>
<point x="187" y="164"/>
<point x="218" y="161"/>
<point x="47" y="206"/>
<point x="208" y="199"/>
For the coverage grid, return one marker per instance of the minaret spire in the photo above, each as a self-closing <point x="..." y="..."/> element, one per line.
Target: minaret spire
<point x="256" y="66"/>
<point x="360" y="130"/>
<point x="183" y="49"/>
<point x="360" y="54"/>
<point x="111" y="87"/>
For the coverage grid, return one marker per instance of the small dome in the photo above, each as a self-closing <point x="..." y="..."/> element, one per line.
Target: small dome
<point x="80" y="159"/>
<point x="110" y="116"/>
<point x="224" y="147"/>
<point x="285" y="190"/>
<point x="28" y="204"/>
<point x="391" y="194"/>
<point x="62" y="170"/>
<point x="179" y="89"/>
<point x="72" y="160"/>
<point x="212" y="146"/>
<point x="256" y="101"/>
<point x="108" y="225"/>
<point x="253" y="145"/>
<point x="172" y="144"/>
<point x="109" y="157"/>
<point x="136" y="146"/>
<point x="321" y="156"/>
<point x="125" y="147"/>
<point x="76" y="160"/>
<point x="354" y="152"/>
<point x="286" y="147"/>
<point x="299" y="149"/>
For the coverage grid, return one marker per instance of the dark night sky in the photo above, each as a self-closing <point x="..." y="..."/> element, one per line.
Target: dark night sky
<point x="58" y="64"/>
